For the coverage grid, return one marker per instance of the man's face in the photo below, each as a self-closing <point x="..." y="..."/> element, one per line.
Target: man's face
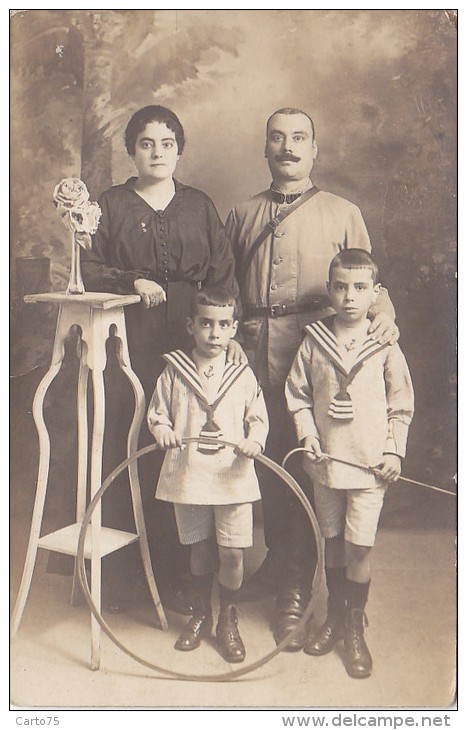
<point x="290" y="148"/>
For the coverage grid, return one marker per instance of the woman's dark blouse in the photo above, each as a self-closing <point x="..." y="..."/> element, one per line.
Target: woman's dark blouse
<point x="180" y="248"/>
<point x="185" y="242"/>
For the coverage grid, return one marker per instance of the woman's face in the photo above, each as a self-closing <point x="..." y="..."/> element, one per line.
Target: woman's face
<point x="156" y="152"/>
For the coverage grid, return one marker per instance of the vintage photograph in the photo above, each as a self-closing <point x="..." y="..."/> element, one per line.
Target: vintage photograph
<point x="233" y="364"/>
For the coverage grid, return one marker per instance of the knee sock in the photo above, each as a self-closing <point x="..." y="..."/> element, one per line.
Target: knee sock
<point x="227" y="596"/>
<point x="336" y="584"/>
<point x="357" y="594"/>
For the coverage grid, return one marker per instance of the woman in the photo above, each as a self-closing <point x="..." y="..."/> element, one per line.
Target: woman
<point x="160" y="239"/>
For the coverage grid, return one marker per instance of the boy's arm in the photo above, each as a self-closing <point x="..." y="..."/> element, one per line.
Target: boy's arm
<point x="299" y="393"/>
<point x="400" y="399"/>
<point x="159" y="416"/>
<point x="256" y="416"/>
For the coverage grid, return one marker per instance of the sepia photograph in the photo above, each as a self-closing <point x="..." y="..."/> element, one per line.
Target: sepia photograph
<point x="233" y="294"/>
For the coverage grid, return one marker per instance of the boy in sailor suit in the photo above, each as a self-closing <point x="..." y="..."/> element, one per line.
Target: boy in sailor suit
<point x="212" y="486"/>
<point x="351" y="398"/>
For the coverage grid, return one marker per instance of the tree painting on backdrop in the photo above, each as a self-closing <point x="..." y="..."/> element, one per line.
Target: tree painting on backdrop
<point x="380" y="86"/>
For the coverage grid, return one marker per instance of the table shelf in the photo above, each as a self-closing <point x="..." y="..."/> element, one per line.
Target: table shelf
<point x="66" y="539"/>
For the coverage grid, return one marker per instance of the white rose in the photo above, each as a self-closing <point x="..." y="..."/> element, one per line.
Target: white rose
<point x="70" y="193"/>
<point x="79" y="215"/>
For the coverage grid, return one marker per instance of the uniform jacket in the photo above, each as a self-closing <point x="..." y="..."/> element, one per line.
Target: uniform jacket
<point x="382" y="405"/>
<point x="289" y="267"/>
<point x="190" y="476"/>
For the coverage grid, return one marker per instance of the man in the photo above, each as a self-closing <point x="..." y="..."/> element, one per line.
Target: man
<point x="283" y="288"/>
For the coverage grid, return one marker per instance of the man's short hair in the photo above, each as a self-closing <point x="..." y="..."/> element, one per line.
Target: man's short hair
<point x="292" y="110"/>
<point x="213" y="296"/>
<point x="153" y="113"/>
<point x="354" y="258"/>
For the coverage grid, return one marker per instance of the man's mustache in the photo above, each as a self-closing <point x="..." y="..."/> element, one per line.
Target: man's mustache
<point x="287" y="157"/>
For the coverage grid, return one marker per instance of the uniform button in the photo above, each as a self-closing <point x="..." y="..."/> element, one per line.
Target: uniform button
<point x="273" y="287"/>
<point x="279" y="234"/>
<point x="278" y="260"/>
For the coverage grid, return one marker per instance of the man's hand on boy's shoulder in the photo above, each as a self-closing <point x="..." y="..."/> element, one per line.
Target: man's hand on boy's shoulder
<point x="383" y="329"/>
<point x="390" y="468"/>
<point x="250" y="448"/>
<point x="236" y="353"/>
<point x="165" y="437"/>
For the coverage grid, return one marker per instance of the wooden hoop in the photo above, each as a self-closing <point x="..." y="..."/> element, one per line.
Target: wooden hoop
<point x="226" y="676"/>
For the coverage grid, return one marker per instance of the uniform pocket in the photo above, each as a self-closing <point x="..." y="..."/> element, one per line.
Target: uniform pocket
<point x="251" y="331"/>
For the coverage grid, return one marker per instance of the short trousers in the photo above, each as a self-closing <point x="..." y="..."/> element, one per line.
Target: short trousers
<point x="352" y="512"/>
<point x="232" y="524"/>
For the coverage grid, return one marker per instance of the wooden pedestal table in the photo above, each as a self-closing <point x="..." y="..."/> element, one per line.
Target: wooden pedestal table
<point x="98" y="315"/>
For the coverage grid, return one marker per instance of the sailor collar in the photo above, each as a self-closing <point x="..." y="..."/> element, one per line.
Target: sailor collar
<point x="186" y="368"/>
<point x="322" y="332"/>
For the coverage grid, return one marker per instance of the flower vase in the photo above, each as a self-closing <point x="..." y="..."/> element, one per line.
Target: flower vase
<point x="75" y="284"/>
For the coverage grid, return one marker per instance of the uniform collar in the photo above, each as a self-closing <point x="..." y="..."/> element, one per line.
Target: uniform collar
<point x="286" y="198"/>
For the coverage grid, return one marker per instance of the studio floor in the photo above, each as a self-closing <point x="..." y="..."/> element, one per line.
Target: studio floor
<point x="411" y="634"/>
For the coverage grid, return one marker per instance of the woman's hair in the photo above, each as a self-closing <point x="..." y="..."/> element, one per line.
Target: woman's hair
<point x="213" y="296"/>
<point x="148" y="114"/>
<point x="354" y="258"/>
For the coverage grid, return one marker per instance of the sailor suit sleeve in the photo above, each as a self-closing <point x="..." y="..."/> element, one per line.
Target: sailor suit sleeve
<point x="159" y="411"/>
<point x="256" y="416"/>
<point x="400" y="401"/>
<point x="299" y="392"/>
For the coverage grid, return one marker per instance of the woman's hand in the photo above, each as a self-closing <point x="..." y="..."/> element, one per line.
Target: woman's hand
<point x="151" y="294"/>
<point x="383" y="329"/>
<point x="235" y="353"/>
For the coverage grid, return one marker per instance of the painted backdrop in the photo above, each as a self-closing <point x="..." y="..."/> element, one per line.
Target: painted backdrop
<point x="380" y="85"/>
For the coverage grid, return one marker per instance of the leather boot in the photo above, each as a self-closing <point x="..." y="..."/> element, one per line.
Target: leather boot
<point x="200" y="625"/>
<point x="357" y="657"/>
<point x="290" y="607"/>
<point x="326" y="637"/>
<point x="332" y="630"/>
<point x="228" y="637"/>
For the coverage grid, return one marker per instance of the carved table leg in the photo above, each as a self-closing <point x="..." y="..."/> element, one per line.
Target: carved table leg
<point x="77" y="597"/>
<point x="132" y="446"/>
<point x="96" y="521"/>
<point x="43" y="475"/>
